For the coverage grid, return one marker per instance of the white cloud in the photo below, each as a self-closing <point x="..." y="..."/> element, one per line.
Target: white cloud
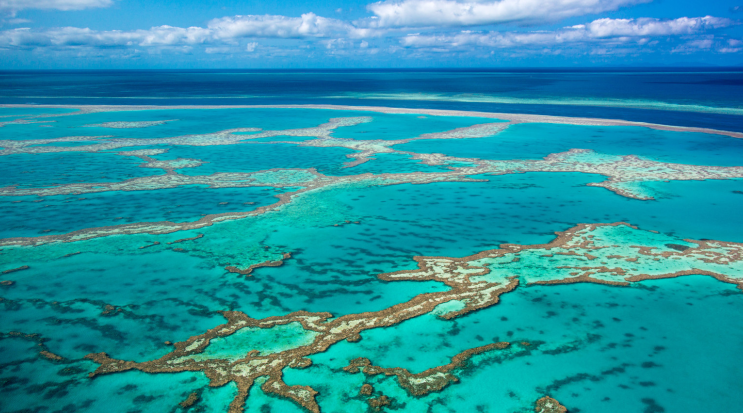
<point x="493" y="39"/>
<point x="73" y="36"/>
<point x="423" y="13"/>
<point x="694" y="46"/>
<point x="219" y="50"/>
<point x="17" y="5"/>
<point x="654" y="27"/>
<point x="336" y="43"/>
<point x="308" y="25"/>
<point x="223" y="30"/>
<point x="616" y="31"/>
<point x="236" y="35"/>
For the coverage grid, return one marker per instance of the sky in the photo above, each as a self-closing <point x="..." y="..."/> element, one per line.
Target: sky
<point x="292" y="34"/>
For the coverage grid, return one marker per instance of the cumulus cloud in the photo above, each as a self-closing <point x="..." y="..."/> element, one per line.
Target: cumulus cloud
<point x="308" y="25"/>
<point x="732" y="46"/>
<point x="223" y="30"/>
<point x="654" y="27"/>
<point x="425" y="13"/>
<point x="219" y="50"/>
<point x="694" y="46"/>
<point x="237" y="34"/>
<point x="604" y="30"/>
<point x="73" y="36"/>
<point x="18" y="5"/>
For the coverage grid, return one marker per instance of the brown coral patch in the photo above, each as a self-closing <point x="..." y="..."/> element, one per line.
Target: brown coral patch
<point x="247" y="271"/>
<point x="25" y="267"/>
<point x="149" y="245"/>
<point x="549" y="405"/>
<point x="109" y="310"/>
<point x="431" y="380"/>
<point x="366" y="390"/>
<point x="190" y="400"/>
<point x="253" y="365"/>
<point x="186" y="239"/>
<point x="378" y="402"/>
<point x="51" y="356"/>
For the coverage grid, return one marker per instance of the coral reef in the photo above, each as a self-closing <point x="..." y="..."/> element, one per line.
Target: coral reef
<point x="129" y="125"/>
<point x="614" y="254"/>
<point x="549" y="405"/>
<point x="431" y="380"/>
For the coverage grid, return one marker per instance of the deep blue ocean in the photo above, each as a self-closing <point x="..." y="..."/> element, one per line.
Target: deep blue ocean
<point x="649" y="95"/>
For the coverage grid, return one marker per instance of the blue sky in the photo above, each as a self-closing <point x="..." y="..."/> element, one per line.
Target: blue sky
<point x="105" y="34"/>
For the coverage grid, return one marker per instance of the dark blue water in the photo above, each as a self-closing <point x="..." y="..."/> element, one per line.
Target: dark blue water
<point x="659" y="96"/>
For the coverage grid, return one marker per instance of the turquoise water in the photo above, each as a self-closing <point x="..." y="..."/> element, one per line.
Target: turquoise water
<point x="33" y="216"/>
<point x="267" y="341"/>
<point x="536" y="140"/>
<point x="598" y="348"/>
<point x="190" y="121"/>
<point x="392" y="127"/>
<point x="251" y="158"/>
<point x="40" y="170"/>
<point x="385" y="163"/>
<point x="182" y="122"/>
<point x="663" y="345"/>
<point x="63" y="144"/>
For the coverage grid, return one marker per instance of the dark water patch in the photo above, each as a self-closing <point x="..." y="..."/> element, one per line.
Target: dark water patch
<point x="678" y="247"/>
<point x="652" y="406"/>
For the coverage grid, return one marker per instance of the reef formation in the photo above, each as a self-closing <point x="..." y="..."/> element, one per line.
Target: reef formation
<point x="614" y="254"/>
<point x="625" y="175"/>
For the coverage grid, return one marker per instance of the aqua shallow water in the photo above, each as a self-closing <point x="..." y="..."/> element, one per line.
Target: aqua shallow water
<point x="180" y="122"/>
<point x="536" y="140"/>
<point x="391" y="127"/>
<point x="598" y="348"/>
<point x="312" y="280"/>
<point x="385" y="163"/>
<point x="39" y="170"/>
<point x="258" y="157"/>
<point x="668" y="344"/>
<point x="34" y="216"/>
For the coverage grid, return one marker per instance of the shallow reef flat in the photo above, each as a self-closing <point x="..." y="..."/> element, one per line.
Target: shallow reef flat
<point x="474" y="283"/>
<point x="512" y="117"/>
<point x="33" y="216"/>
<point x="49" y="170"/>
<point x="154" y="122"/>
<point x="334" y="259"/>
<point x="537" y="140"/>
